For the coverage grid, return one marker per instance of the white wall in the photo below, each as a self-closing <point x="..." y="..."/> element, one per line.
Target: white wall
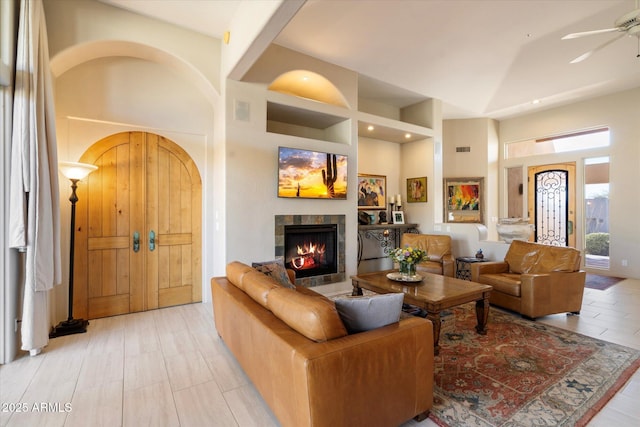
<point x="251" y="159"/>
<point x="254" y="27"/>
<point x="621" y="113"/>
<point x="277" y="60"/>
<point x="102" y="94"/>
<point x="252" y="180"/>
<point x="117" y="71"/>
<point x="398" y="162"/>
<point x="377" y="157"/>
<point x="74" y="23"/>
<point x="418" y="161"/>
<point x="481" y="136"/>
<point x="111" y="95"/>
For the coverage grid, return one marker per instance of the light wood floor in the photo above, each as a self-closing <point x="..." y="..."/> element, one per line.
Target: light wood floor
<point x="168" y="367"/>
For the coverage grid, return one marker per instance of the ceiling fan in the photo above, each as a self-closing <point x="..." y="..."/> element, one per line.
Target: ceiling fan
<point x="628" y="24"/>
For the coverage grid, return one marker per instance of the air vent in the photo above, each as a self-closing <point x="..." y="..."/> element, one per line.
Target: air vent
<point x="463" y="149"/>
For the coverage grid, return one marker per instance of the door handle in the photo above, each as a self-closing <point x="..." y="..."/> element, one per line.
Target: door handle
<point x="152" y="240"/>
<point x="136" y="241"/>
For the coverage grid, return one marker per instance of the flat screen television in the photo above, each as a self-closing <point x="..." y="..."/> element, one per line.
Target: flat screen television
<point x="309" y="174"/>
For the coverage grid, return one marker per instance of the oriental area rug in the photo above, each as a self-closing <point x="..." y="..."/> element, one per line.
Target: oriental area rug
<point x="523" y="373"/>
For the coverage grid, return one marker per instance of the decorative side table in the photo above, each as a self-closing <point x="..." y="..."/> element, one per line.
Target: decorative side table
<point x="463" y="266"/>
<point x="389" y="236"/>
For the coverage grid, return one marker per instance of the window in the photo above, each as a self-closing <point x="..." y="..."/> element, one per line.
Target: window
<point x="576" y="141"/>
<point x="596" y="212"/>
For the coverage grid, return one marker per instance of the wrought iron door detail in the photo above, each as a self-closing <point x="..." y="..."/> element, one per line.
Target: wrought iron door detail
<point x="551" y="198"/>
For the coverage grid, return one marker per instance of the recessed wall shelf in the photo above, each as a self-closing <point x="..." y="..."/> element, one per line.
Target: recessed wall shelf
<point x="308" y="119"/>
<point x="390" y="130"/>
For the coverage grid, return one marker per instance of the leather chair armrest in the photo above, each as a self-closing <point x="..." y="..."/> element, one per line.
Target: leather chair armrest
<point x="557" y="292"/>
<point x="573" y="280"/>
<point x="493" y="267"/>
<point x="559" y="280"/>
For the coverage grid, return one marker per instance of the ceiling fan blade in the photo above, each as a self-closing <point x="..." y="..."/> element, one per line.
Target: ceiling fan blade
<point x="589" y="33"/>
<point x="592" y="51"/>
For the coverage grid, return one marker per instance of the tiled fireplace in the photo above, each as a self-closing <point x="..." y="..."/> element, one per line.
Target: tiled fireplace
<point x="313" y="246"/>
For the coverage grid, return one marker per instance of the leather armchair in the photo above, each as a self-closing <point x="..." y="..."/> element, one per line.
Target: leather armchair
<point x="438" y="247"/>
<point x="534" y="280"/>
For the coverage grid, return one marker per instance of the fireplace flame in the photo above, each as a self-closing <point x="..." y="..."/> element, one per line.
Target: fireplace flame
<point x="309" y="255"/>
<point x="311" y="248"/>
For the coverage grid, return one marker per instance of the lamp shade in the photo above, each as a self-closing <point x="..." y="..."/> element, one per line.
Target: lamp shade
<point x="75" y="170"/>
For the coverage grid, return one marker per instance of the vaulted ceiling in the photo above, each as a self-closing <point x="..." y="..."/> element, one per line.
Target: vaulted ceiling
<point x="482" y="58"/>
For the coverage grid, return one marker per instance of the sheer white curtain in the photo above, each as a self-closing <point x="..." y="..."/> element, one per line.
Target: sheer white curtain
<point x="34" y="217"/>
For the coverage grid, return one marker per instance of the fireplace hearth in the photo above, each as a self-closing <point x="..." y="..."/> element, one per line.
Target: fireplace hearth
<point x="313" y="246"/>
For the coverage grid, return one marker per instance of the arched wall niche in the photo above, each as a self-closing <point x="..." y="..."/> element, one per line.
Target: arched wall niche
<point x="310" y="85"/>
<point x="78" y="54"/>
<point x="76" y="132"/>
<point x="195" y="141"/>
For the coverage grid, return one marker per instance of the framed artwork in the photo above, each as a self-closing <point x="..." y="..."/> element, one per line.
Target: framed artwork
<point x="417" y="189"/>
<point x="372" y="191"/>
<point x="398" y="217"/>
<point x="308" y="174"/>
<point x="464" y="200"/>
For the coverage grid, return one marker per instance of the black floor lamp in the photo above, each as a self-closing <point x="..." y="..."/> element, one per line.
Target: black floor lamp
<point x="75" y="172"/>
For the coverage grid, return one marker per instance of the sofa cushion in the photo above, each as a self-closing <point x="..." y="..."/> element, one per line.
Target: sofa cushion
<point x="435" y="245"/>
<point x="419" y="241"/>
<point x="558" y="258"/>
<point x="439" y="246"/>
<point x="315" y="317"/>
<point x="365" y="313"/>
<point x="276" y="269"/>
<point x="535" y="258"/>
<point x="236" y="271"/>
<point x="258" y="286"/>
<point x="521" y="257"/>
<point x="507" y="283"/>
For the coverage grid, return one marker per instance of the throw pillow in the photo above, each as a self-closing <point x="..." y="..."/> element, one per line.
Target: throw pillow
<point x="276" y="270"/>
<point x="365" y="313"/>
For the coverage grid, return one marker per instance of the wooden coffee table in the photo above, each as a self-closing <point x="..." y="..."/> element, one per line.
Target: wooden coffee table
<point x="434" y="294"/>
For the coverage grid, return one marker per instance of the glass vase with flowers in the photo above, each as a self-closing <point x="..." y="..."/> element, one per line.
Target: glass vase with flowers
<point x="407" y="258"/>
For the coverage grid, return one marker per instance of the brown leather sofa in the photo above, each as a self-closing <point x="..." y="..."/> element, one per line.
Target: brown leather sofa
<point x="438" y="247"/>
<point x="294" y="347"/>
<point x="534" y="279"/>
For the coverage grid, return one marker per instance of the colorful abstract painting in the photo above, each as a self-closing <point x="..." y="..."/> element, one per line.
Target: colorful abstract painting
<point x="463" y="199"/>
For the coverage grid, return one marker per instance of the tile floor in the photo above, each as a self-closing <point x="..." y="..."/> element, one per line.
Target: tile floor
<point x="168" y="368"/>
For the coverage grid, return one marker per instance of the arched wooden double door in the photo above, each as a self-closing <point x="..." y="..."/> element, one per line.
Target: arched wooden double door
<point x="138" y="227"/>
